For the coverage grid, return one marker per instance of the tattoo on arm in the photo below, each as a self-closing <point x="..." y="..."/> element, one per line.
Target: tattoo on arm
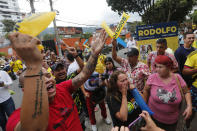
<point x="86" y="72"/>
<point x="38" y="99"/>
<point x="40" y="110"/>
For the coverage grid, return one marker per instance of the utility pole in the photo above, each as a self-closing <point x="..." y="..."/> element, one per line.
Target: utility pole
<point x="32" y="6"/>
<point x="56" y="33"/>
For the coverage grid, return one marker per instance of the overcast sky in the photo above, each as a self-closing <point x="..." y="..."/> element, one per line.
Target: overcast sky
<point x="89" y="12"/>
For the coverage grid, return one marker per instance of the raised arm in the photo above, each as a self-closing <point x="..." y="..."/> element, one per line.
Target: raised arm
<point x="34" y="109"/>
<point x="117" y="58"/>
<point x="89" y="68"/>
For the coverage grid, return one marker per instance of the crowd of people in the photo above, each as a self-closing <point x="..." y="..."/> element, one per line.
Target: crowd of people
<point x="62" y="93"/>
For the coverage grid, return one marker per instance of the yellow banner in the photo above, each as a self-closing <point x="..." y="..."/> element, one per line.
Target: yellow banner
<point x="120" y="26"/>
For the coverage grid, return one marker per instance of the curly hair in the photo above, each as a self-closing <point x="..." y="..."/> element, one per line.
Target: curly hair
<point x="113" y="89"/>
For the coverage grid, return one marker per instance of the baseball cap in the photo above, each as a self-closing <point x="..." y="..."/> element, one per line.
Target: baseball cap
<point x="132" y="52"/>
<point x="57" y="65"/>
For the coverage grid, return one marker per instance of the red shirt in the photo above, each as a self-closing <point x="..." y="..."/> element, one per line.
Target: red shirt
<point x="63" y="114"/>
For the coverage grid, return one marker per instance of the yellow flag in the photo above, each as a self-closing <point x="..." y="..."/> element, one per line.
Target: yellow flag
<point x="35" y="23"/>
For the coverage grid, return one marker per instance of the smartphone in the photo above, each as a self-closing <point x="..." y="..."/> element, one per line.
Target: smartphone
<point x="137" y="124"/>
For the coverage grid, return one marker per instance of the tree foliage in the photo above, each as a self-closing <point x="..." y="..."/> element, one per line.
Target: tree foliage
<point x="155" y="11"/>
<point x="169" y="10"/>
<point x="8" y="25"/>
<point x="139" y="6"/>
<point x="49" y="37"/>
<point x="194" y="17"/>
<point x="87" y="35"/>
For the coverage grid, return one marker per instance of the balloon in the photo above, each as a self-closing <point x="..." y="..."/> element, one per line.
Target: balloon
<point x="140" y="101"/>
<point x="35" y="23"/>
<point x="120" y="26"/>
<point x="120" y="41"/>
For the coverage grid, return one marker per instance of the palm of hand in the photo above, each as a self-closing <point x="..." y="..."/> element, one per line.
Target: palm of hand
<point x="98" y="43"/>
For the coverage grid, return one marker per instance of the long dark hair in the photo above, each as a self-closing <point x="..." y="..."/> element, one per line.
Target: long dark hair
<point x="109" y="59"/>
<point x="113" y="89"/>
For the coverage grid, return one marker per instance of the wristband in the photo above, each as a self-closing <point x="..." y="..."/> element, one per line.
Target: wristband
<point x="39" y="74"/>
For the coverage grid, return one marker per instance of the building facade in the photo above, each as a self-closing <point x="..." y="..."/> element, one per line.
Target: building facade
<point x="9" y="9"/>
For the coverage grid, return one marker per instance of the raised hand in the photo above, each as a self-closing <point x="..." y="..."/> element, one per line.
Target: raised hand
<point x="99" y="42"/>
<point x="26" y="48"/>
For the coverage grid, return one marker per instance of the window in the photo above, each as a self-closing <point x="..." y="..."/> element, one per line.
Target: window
<point x="2" y="6"/>
<point x="6" y="16"/>
<point x="3" y="2"/>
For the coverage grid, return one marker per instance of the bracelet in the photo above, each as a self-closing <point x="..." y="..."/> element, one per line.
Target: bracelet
<point x="39" y="74"/>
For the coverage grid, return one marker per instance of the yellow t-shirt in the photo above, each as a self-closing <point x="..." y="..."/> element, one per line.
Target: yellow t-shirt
<point x="17" y="65"/>
<point x="192" y="62"/>
<point x="194" y="44"/>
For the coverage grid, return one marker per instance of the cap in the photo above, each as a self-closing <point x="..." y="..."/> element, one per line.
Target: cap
<point x="94" y="75"/>
<point x="132" y="52"/>
<point x="57" y="65"/>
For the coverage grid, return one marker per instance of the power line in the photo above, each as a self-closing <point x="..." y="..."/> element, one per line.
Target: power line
<point x="75" y="23"/>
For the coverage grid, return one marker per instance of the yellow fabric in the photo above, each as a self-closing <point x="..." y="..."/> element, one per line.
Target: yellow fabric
<point x="194" y="44"/>
<point x="192" y="62"/>
<point x="17" y="65"/>
<point x="49" y="70"/>
<point x="100" y="67"/>
<point x="40" y="47"/>
<point x="35" y="23"/>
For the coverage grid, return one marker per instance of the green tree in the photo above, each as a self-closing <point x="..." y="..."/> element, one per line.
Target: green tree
<point x="49" y="37"/>
<point x="169" y="10"/>
<point x="8" y="25"/>
<point x="87" y="35"/>
<point x="139" y="6"/>
<point x="194" y="17"/>
<point x="155" y="11"/>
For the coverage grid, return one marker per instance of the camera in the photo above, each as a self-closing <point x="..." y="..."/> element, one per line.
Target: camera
<point x="104" y="76"/>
